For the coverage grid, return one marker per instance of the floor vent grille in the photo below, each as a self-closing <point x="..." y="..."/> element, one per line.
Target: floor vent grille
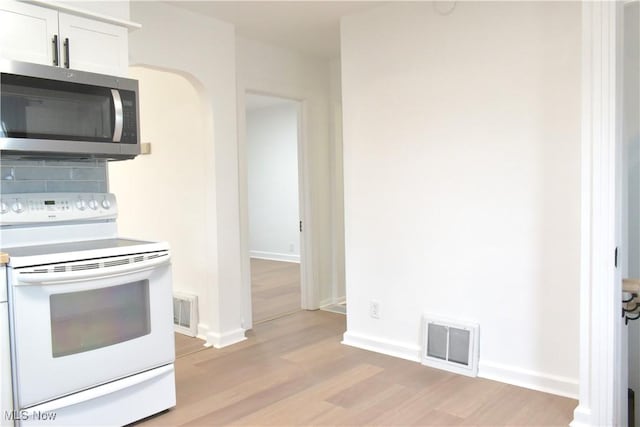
<point x="451" y="345"/>
<point x="185" y="314"/>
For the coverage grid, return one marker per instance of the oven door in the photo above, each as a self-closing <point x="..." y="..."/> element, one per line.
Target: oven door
<point x="78" y="325"/>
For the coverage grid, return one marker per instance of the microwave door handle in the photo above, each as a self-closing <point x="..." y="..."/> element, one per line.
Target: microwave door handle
<point x="117" y="108"/>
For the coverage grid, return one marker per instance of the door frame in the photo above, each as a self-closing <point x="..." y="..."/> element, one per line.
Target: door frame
<point x="633" y="329"/>
<point x="601" y="400"/>
<point x="308" y="285"/>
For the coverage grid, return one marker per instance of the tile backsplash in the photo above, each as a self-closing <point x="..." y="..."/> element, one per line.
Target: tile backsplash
<point x="53" y="176"/>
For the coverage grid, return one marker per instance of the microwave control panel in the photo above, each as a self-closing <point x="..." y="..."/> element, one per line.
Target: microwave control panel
<point x="130" y="118"/>
<point x="16" y="209"/>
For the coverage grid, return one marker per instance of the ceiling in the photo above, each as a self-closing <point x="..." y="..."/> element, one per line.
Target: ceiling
<point x="310" y="27"/>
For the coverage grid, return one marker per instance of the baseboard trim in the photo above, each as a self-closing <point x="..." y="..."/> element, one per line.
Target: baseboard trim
<point x="561" y="386"/>
<point x="388" y="347"/>
<point x="581" y="417"/>
<point x="226" y="339"/>
<point x="332" y="301"/>
<point x="202" y="332"/>
<point x="274" y="256"/>
<point x="325" y="303"/>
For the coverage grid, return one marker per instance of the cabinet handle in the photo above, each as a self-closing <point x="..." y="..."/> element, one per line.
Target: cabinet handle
<point x="66" y="53"/>
<point x="56" y="59"/>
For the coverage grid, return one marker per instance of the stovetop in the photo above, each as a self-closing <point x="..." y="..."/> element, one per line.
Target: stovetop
<point x="60" y="248"/>
<point x="39" y="229"/>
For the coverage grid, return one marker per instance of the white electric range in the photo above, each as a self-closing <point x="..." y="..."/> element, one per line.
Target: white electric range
<point x="90" y="314"/>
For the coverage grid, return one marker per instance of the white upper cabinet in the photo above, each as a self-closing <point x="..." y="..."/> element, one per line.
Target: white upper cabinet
<point x="42" y="35"/>
<point x="27" y="32"/>
<point x="93" y="46"/>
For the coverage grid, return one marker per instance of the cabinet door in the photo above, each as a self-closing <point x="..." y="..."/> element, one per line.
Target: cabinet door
<point x="93" y="46"/>
<point x="26" y="32"/>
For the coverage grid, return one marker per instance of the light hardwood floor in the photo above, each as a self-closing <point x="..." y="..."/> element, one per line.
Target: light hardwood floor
<point x="275" y="288"/>
<point x="294" y="371"/>
<point x="186" y="345"/>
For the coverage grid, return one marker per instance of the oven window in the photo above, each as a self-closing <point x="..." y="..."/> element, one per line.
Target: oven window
<point x="88" y="320"/>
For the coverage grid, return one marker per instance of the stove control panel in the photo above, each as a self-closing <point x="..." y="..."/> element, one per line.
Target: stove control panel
<point x="18" y="209"/>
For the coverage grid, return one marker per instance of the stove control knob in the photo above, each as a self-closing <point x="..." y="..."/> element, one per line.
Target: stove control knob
<point x="93" y="204"/>
<point x="17" y="207"/>
<point x="4" y="208"/>
<point x="106" y="204"/>
<point x="81" y="204"/>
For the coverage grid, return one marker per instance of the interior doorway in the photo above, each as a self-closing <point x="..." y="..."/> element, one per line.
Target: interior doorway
<point x="273" y="192"/>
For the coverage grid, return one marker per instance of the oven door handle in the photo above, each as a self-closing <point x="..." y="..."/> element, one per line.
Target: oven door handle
<point x="103" y="390"/>
<point x="26" y="278"/>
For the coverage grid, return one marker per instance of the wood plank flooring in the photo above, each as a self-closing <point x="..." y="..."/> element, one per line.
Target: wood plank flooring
<point x="293" y="371"/>
<point x="187" y="345"/>
<point x="275" y="288"/>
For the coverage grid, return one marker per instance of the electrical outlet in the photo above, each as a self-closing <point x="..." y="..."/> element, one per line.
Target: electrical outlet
<point x="374" y="309"/>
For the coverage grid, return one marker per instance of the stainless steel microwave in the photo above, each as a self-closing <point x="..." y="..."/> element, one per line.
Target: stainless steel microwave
<point x="48" y="112"/>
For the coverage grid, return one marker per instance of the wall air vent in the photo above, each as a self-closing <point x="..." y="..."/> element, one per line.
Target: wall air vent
<point x="451" y="345"/>
<point x="185" y="314"/>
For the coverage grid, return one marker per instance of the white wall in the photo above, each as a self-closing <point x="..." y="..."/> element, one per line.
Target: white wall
<point x="271" y="70"/>
<point x="272" y="162"/>
<point x="203" y="51"/>
<point x="151" y="189"/>
<point x="631" y="155"/>
<point x="462" y="181"/>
